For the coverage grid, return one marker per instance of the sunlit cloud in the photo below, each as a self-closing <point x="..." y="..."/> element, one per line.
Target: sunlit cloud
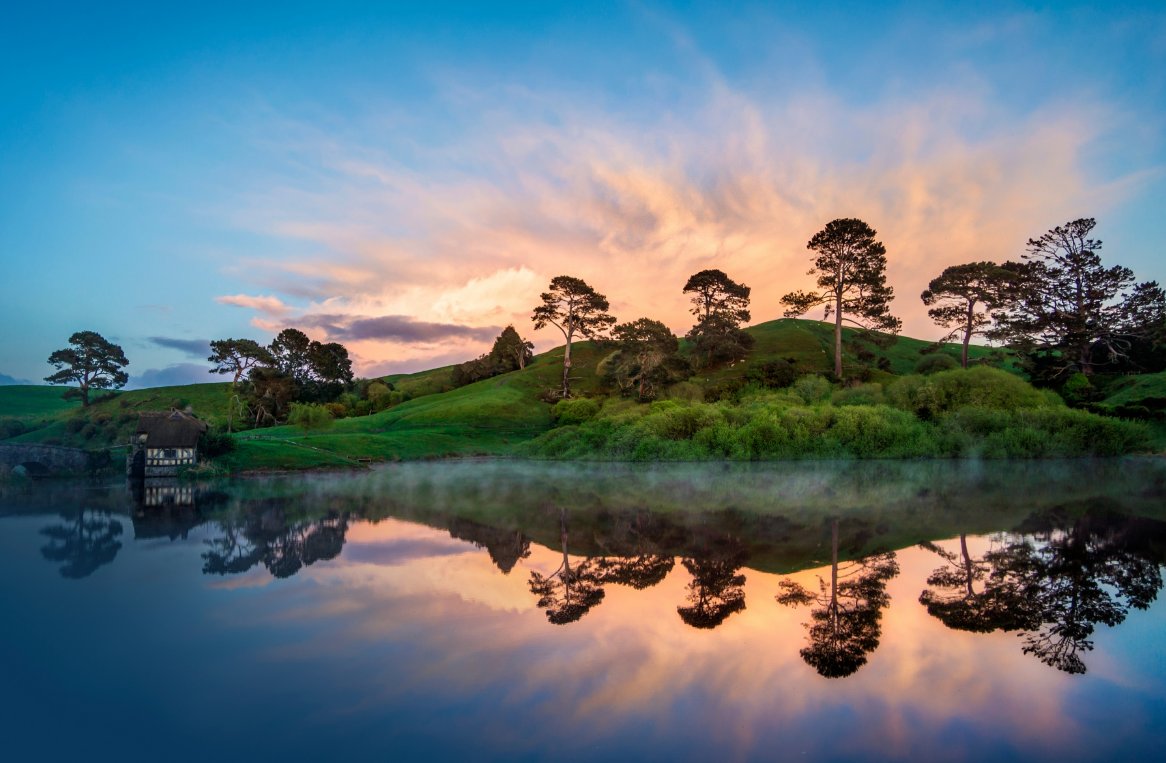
<point x="547" y="185"/>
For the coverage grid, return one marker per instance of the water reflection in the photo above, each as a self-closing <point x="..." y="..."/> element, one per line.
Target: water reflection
<point x="847" y="614"/>
<point x="87" y="540"/>
<point x="1054" y="584"/>
<point x="265" y="534"/>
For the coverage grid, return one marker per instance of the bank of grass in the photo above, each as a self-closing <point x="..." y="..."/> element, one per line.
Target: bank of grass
<point x="977" y="413"/>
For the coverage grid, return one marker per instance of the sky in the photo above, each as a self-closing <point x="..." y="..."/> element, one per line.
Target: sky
<point x="407" y="178"/>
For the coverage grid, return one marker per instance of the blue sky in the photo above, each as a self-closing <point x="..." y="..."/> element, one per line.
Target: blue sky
<point x="407" y="179"/>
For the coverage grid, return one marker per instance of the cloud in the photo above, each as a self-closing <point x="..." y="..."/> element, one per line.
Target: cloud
<point x="400" y="328"/>
<point x="461" y="236"/>
<point x="267" y="305"/>
<point x="5" y="379"/>
<point x="174" y="375"/>
<point x="195" y="348"/>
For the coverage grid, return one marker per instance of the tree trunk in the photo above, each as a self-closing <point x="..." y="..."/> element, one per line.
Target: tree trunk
<point x="838" y="337"/>
<point x="567" y="369"/>
<point x="967" y="334"/>
<point x="967" y="562"/>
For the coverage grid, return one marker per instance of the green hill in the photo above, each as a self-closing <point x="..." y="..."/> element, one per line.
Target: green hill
<point x="492" y="417"/>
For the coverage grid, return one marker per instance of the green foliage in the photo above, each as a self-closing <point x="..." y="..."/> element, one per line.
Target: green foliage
<point x="859" y="394"/>
<point x="931" y="396"/>
<point x="936" y="362"/>
<point x="214" y="443"/>
<point x="1078" y="390"/>
<point x="574" y="411"/>
<point x="812" y="389"/>
<point x="309" y="416"/>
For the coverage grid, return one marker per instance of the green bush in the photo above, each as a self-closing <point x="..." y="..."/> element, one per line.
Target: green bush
<point x="574" y="411"/>
<point x="862" y="394"/>
<point x="309" y="416"/>
<point x="812" y="389"/>
<point x="936" y="362"/>
<point x="214" y="443"/>
<point x="931" y="396"/>
<point x="11" y="428"/>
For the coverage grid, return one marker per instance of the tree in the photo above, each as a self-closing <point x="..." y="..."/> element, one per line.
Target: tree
<point x="1069" y="311"/>
<point x="573" y="308"/>
<point x="714" y="293"/>
<point x="720" y="305"/>
<point x="958" y="291"/>
<point x="290" y="352"/>
<point x="511" y="351"/>
<point x="964" y="596"/>
<point x="237" y="357"/>
<point x="851" y="268"/>
<point x="647" y="357"/>
<point x="92" y="362"/>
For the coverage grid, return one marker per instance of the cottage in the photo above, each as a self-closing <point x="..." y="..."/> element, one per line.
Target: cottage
<point x="163" y="443"/>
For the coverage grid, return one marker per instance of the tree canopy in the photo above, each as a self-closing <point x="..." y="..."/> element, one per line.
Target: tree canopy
<point x="851" y="267"/>
<point x="91" y="362"/>
<point x="720" y="305"/>
<point x="962" y="299"/>
<point x="237" y="357"/>
<point x="647" y="358"/>
<point x="1069" y="312"/>
<point x="573" y="307"/>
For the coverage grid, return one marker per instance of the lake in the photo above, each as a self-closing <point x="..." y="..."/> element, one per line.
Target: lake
<point x="500" y="610"/>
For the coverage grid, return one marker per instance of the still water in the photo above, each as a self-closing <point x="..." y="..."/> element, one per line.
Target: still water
<point x="503" y="611"/>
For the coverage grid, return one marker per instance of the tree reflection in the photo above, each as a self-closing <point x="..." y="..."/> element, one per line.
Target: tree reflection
<point x="567" y="593"/>
<point x="632" y="551"/>
<point x="87" y="540"/>
<point x="716" y="590"/>
<point x="1056" y="586"/>
<point x="267" y="538"/>
<point x="505" y="547"/>
<point x="963" y="595"/>
<point x="846" y="622"/>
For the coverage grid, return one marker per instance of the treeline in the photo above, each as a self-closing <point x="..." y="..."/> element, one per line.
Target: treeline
<point x="1064" y="314"/>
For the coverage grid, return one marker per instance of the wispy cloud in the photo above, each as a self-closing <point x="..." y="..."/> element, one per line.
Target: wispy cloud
<point x="448" y="243"/>
<point x="266" y="304"/>
<point x="195" y="348"/>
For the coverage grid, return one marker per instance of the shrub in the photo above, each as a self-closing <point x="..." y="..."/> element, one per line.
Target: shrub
<point x="773" y="374"/>
<point x="309" y="416"/>
<point x="574" y="411"/>
<point x="981" y="386"/>
<point x="936" y="362"/>
<point x="862" y="394"/>
<point x="11" y="428"/>
<point x="812" y="389"/>
<point x="214" y="443"/>
<point x="338" y="410"/>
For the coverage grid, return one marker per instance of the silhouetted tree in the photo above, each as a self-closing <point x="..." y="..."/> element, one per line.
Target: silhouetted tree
<point x="90" y="362"/>
<point x="852" y="281"/>
<point x="1065" y="308"/>
<point x="846" y="621"/>
<point x="567" y="593"/>
<point x="573" y="308"/>
<point x="291" y="354"/>
<point x="720" y="305"/>
<point x="962" y="299"/>
<point x="510" y="351"/>
<point x="88" y="540"/>
<point x="237" y="357"/>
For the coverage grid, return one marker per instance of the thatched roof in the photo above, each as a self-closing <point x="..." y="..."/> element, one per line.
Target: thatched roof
<point x="170" y="430"/>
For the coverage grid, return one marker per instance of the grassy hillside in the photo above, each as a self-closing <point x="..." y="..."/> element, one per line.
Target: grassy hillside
<point x="497" y="416"/>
